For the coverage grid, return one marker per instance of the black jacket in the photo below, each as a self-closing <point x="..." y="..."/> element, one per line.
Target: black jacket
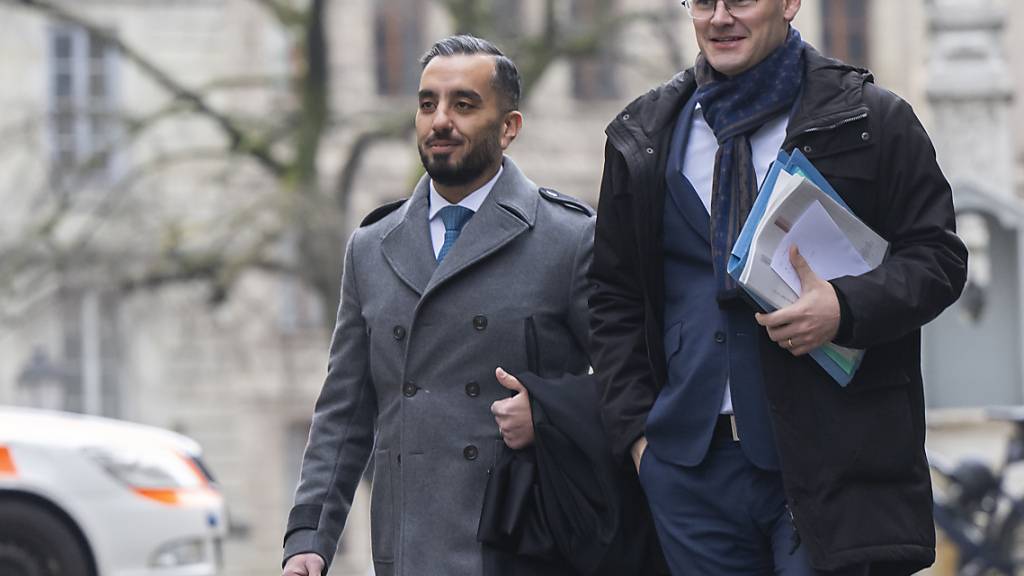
<point x="565" y="507"/>
<point x="853" y="461"/>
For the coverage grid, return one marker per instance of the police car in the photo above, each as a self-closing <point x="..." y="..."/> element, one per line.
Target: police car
<point x="87" y="496"/>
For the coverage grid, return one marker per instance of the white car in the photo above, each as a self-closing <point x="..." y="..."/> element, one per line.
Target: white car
<point x="87" y="496"/>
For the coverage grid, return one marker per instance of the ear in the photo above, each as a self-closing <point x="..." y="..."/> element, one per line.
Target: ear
<point x="510" y="128"/>
<point x="790" y="8"/>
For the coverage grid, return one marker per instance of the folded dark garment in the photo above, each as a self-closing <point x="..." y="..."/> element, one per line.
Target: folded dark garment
<point x="564" y="502"/>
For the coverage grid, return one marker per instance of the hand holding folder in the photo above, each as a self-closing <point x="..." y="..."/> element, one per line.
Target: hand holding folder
<point x="797" y="206"/>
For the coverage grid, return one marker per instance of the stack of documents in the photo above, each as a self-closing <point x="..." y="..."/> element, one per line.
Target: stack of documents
<point x="797" y="206"/>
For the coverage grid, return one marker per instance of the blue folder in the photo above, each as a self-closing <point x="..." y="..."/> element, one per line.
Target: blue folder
<point x="796" y="164"/>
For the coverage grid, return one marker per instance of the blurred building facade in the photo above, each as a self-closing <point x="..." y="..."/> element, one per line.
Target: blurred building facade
<point x="241" y="376"/>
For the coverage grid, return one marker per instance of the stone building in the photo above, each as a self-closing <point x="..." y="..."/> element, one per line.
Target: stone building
<point x="241" y="376"/>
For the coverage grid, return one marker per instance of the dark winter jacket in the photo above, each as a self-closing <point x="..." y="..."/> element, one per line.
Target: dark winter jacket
<point x="853" y="460"/>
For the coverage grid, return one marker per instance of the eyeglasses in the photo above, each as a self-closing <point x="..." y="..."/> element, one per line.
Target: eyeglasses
<point x="705" y="9"/>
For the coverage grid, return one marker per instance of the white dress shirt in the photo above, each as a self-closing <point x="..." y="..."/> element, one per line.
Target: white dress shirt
<point x="473" y="202"/>
<point x="699" y="168"/>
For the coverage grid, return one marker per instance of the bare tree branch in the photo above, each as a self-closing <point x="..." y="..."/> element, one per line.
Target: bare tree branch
<point x="394" y="129"/>
<point x="314" y="89"/>
<point x="236" y="136"/>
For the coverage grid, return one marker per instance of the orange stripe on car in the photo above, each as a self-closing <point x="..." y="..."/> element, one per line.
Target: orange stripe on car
<point x="189" y="497"/>
<point x="7" y="467"/>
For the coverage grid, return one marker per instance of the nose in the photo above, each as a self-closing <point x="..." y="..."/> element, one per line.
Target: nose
<point x="721" y="16"/>
<point x="442" y="122"/>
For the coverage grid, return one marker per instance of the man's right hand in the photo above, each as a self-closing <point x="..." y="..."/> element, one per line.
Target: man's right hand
<point x="638" y="451"/>
<point x="308" y="564"/>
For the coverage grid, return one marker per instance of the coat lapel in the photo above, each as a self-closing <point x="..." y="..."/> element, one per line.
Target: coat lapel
<point x="509" y="210"/>
<point x="680" y="191"/>
<point x="407" y="247"/>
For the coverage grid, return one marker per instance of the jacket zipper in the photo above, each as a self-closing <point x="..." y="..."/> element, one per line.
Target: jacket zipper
<point x="834" y="126"/>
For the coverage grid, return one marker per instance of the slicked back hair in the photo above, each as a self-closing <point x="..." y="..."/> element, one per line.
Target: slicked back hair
<point x="506" y="80"/>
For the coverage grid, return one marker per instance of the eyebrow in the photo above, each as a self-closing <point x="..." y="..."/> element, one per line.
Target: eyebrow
<point x="467" y="94"/>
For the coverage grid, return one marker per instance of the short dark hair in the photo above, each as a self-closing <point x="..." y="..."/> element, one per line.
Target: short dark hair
<point x="506" y="79"/>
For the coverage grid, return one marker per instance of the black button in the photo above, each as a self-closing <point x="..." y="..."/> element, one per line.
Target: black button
<point x="409" y="389"/>
<point x="472" y="389"/>
<point x="720" y="337"/>
<point x="398" y="332"/>
<point x="470" y="452"/>
<point x="480" y="322"/>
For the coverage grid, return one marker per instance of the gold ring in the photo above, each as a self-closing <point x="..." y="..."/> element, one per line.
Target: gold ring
<point x="789" y="342"/>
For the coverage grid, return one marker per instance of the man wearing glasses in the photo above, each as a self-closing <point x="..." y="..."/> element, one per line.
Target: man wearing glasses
<point x="753" y="459"/>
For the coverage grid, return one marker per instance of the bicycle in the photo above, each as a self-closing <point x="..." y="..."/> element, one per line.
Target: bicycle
<point x="976" y="512"/>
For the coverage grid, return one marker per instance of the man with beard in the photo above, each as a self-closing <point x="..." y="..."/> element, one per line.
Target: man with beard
<point x="478" y="272"/>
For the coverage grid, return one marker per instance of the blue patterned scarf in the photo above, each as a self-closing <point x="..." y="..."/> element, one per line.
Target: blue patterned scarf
<point x="735" y="108"/>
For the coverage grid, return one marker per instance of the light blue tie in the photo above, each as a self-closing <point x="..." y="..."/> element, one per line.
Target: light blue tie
<point x="454" y="218"/>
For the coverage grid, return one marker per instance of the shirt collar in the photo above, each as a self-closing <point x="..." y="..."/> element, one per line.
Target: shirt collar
<point x="473" y="201"/>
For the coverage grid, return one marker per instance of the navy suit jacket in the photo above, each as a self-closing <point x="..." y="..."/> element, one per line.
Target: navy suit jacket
<point x="705" y="344"/>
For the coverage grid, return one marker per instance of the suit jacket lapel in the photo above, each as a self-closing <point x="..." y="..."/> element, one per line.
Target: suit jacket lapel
<point x="509" y="210"/>
<point x="680" y="190"/>
<point x="407" y="247"/>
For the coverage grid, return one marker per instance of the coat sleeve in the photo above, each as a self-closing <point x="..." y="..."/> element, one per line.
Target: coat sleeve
<point x="926" y="268"/>
<point x="618" y="346"/>
<point x="341" y="435"/>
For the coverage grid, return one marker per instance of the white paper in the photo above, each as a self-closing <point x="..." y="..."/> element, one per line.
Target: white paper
<point x="826" y="248"/>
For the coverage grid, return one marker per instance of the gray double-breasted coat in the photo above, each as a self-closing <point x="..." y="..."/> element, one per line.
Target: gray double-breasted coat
<point x="411" y="369"/>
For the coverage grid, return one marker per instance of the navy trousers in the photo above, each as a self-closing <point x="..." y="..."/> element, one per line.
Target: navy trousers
<point x="724" y="517"/>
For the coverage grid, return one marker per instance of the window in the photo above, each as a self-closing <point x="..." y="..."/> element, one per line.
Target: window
<point x="594" y="76"/>
<point x="398" y="43"/>
<point x="83" y="102"/>
<point x="90" y="351"/>
<point x="845" y="30"/>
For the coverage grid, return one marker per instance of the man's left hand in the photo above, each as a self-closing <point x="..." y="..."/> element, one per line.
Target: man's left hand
<point x="513" y="415"/>
<point x="809" y="322"/>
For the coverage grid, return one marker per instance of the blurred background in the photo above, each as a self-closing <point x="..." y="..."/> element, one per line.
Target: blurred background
<point x="178" y="179"/>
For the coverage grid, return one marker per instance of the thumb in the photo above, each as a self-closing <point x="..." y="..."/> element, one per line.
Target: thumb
<point x="509" y="381"/>
<point x="803" y="269"/>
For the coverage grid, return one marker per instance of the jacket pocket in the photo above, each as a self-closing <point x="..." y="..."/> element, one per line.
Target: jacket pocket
<point x="869" y="434"/>
<point x="382" y="509"/>
<point x="673" y="343"/>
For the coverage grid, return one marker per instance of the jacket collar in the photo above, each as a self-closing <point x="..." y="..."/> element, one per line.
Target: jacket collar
<point x="832" y="93"/>
<point x="509" y="210"/>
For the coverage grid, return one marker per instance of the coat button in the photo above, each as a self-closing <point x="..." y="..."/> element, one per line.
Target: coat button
<point x="470" y="452"/>
<point x="398" y="332"/>
<point x="865" y="136"/>
<point x="472" y="389"/>
<point x="409" y="389"/>
<point x="480" y="322"/>
<point x="625" y="116"/>
<point x="650" y="150"/>
<point x="808" y="149"/>
<point x="720" y="337"/>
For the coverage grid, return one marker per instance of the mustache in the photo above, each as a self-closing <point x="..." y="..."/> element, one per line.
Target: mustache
<point x="444" y="138"/>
